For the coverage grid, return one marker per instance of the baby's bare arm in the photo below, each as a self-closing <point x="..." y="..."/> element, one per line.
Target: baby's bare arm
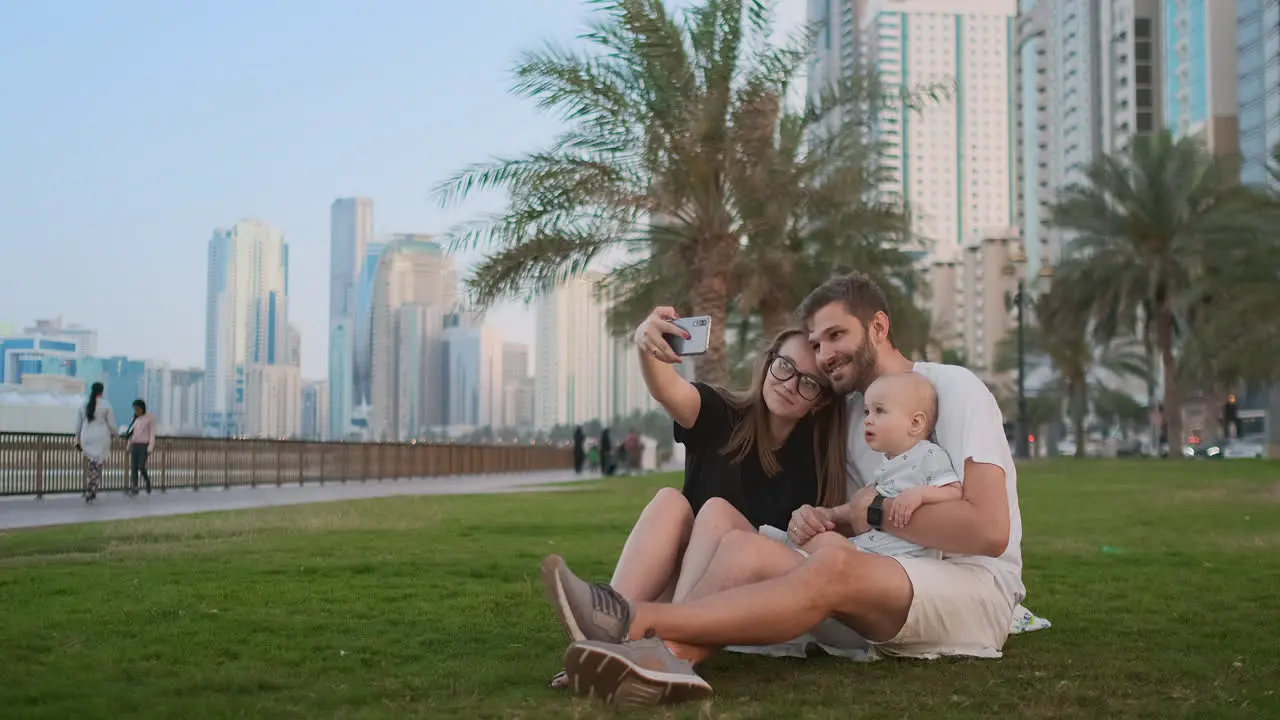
<point x="945" y="493"/>
<point x="908" y="501"/>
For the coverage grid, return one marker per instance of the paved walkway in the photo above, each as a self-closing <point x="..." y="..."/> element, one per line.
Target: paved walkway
<point x="63" y="509"/>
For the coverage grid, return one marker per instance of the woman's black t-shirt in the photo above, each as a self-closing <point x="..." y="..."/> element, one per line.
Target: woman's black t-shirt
<point x="709" y="473"/>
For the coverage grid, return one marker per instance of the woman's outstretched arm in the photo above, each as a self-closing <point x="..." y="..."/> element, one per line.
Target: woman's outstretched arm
<point x="675" y="394"/>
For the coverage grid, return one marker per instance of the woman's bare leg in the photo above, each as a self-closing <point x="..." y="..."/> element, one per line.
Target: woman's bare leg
<point x="740" y="557"/>
<point x="649" y="565"/>
<point x="651" y="556"/>
<point x="717" y="518"/>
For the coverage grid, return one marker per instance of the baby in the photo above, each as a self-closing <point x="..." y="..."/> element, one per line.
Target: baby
<point x="900" y="411"/>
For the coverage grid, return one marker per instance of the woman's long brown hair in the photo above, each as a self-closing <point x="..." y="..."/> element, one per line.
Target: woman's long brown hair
<point x="830" y="429"/>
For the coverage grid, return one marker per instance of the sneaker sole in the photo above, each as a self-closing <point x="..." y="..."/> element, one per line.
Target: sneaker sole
<point x="597" y="671"/>
<point x="551" y="567"/>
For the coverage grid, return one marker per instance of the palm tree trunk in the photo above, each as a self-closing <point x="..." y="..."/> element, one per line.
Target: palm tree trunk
<point x="1172" y="394"/>
<point x="1149" y="353"/>
<point x="710" y="296"/>
<point x="1078" y="413"/>
<point x="774" y="318"/>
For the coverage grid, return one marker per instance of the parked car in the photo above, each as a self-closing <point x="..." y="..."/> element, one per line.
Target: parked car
<point x="1245" y="447"/>
<point x="1226" y="449"/>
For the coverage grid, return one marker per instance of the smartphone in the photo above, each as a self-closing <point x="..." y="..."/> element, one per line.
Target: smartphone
<point x="699" y="329"/>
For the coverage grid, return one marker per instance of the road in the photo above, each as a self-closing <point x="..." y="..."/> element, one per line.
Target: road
<point x="26" y="511"/>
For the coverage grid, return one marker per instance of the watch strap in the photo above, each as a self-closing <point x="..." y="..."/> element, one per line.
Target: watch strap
<point x="875" y="512"/>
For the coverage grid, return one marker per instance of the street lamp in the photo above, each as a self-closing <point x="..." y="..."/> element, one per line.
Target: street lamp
<point x="1017" y="260"/>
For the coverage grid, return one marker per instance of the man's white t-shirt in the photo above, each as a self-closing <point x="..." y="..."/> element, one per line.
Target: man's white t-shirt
<point x="970" y="426"/>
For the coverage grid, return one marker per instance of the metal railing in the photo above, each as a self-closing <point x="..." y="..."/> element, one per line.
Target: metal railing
<point x="40" y="463"/>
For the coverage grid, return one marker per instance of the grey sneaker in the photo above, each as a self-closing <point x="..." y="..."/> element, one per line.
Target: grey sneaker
<point x="587" y="612"/>
<point x="635" y="674"/>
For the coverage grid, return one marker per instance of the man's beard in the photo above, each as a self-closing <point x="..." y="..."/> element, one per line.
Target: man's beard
<point x="861" y="371"/>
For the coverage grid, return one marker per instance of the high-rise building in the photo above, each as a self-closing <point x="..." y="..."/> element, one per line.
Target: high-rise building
<point x="515" y="362"/>
<point x="414" y="291"/>
<point x="247" y="317"/>
<point x="473" y="374"/>
<point x="1200" y="54"/>
<point x="350" y="232"/>
<point x="952" y="158"/>
<point x="969" y="298"/>
<point x="182" y="412"/>
<point x="315" y="410"/>
<point x="363" y="339"/>
<point x="274" y="407"/>
<point x="630" y="394"/>
<point x="341" y="358"/>
<point x="1258" y="69"/>
<point x="838" y="48"/>
<point x="157" y="389"/>
<point x="294" y="343"/>
<point x="573" y="378"/>
<point x="517" y="387"/>
<point x="1086" y="82"/>
<point x="1131" y="71"/>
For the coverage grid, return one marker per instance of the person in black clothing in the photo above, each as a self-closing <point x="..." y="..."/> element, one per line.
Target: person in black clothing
<point x="606" y="453"/>
<point x="579" y="449"/>
<point x="751" y="459"/>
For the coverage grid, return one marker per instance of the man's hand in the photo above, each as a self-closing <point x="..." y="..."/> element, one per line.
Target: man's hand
<point x="904" y="505"/>
<point x="854" y="512"/>
<point x="808" y="521"/>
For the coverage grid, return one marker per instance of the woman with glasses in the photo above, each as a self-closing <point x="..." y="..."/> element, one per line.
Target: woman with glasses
<point x="752" y="457"/>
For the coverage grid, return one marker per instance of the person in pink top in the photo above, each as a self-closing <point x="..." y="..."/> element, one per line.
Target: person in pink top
<point x="142" y="440"/>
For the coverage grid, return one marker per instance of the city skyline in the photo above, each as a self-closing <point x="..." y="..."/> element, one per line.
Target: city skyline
<point x="185" y="137"/>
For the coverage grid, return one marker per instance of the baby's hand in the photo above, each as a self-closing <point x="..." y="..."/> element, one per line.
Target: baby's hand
<point x="904" y="504"/>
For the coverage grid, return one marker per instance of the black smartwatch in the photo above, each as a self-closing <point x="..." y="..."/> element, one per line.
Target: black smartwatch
<point x="875" y="512"/>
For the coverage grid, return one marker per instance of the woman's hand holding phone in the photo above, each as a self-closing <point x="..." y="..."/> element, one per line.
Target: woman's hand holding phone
<point x="648" y="336"/>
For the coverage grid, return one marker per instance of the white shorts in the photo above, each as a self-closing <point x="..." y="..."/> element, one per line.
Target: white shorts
<point x="956" y="609"/>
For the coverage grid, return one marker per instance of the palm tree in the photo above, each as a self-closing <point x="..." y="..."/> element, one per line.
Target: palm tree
<point x="807" y="191"/>
<point x="1235" y="334"/>
<point x="1081" y="374"/>
<point x="683" y="162"/>
<point x="1149" y="223"/>
<point x="644" y="166"/>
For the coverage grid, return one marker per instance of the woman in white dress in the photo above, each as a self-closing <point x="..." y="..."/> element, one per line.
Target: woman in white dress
<point x="93" y="438"/>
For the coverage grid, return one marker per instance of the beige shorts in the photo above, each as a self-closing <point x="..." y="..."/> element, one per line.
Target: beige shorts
<point x="957" y="609"/>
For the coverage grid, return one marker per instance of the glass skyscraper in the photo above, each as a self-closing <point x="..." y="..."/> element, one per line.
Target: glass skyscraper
<point x="1258" y="69"/>
<point x="247" y="317"/>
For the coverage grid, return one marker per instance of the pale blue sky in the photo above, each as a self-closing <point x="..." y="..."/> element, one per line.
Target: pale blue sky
<point x="130" y="129"/>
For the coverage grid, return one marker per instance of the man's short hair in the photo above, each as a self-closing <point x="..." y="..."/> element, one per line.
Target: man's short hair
<point x="860" y="295"/>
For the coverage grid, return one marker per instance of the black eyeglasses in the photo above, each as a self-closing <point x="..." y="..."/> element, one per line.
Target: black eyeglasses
<point x="809" y="387"/>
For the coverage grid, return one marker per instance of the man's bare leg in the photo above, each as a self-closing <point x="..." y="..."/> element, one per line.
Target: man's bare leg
<point x="869" y="593"/>
<point x="743" y="559"/>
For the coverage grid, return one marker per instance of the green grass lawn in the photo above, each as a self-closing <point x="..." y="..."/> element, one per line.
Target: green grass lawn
<point x="432" y="607"/>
